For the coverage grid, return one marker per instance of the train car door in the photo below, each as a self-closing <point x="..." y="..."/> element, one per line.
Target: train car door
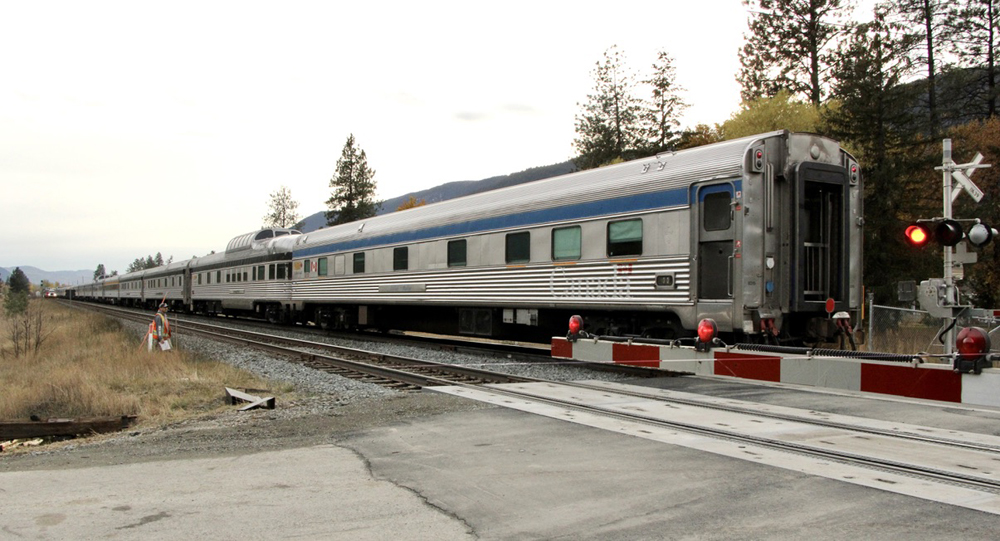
<point x="716" y="230"/>
<point x="187" y="285"/>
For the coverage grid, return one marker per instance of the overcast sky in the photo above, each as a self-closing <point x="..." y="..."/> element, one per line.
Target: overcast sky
<point x="131" y="128"/>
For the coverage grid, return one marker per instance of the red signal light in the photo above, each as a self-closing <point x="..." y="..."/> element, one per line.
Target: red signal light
<point x="917" y="235"/>
<point x="973" y="343"/>
<point x="575" y="324"/>
<point x="707" y="330"/>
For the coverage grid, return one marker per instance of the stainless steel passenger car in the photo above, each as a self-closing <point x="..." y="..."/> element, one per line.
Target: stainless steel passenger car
<point x="251" y="277"/>
<point x="757" y="233"/>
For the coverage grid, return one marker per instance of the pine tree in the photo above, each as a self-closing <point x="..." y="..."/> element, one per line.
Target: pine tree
<point x="18" y="282"/>
<point x="607" y="128"/>
<point x="99" y="273"/>
<point x="973" y="27"/>
<point x="923" y="21"/>
<point x="354" y="187"/>
<point x="875" y="120"/>
<point x="281" y="209"/>
<point x="660" y="118"/>
<point x="790" y="46"/>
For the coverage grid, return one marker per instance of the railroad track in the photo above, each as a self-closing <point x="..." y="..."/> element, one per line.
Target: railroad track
<point x="968" y="465"/>
<point x="942" y="465"/>
<point x="394" y="371"/>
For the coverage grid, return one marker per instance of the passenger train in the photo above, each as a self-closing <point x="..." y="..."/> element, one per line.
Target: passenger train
<point x="762" y="234"/>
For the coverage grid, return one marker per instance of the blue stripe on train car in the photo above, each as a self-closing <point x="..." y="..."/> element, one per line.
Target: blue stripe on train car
<point x="604" y="207"/>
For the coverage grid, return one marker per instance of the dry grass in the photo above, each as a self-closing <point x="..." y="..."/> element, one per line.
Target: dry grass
<point x="89" y="367"/>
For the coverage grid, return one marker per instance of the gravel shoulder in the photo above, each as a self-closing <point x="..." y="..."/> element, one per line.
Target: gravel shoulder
<point x="321" y="409"/>
<point x="308" y="422"/>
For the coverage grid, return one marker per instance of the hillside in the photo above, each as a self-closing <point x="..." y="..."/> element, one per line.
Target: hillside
<point x="451" y="190"/>
<point x="36" y="275"/>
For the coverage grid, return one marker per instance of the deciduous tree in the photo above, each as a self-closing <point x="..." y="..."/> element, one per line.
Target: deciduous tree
<point x="411" y="203"/>
<point x="982" y="279"/>
<point x="779" y="112"/>
<point x="702" y="134"/>
<point x="281" y="209"/>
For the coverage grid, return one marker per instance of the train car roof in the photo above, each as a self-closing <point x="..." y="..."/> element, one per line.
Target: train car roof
<point x="253" y="239"/>
<point x="655" y="182"/>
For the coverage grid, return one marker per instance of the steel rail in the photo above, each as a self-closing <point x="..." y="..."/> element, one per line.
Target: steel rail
<point x="403" y="369"/>
<point x="912" y="470"/>
<point x="898" y="434"/>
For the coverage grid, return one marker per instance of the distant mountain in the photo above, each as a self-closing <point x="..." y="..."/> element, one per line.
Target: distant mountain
<point x="452" y="190"/>
<point x="36" y="275"/>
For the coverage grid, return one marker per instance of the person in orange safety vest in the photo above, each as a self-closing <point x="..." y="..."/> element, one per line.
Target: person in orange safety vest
<point x="159" y="329"/>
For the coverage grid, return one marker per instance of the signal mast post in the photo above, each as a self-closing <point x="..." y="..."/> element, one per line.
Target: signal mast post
<point x="947" y="166"/>
<point x="950" y="170"/>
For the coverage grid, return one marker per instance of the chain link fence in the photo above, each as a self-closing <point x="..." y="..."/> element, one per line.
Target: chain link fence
<point x="910" y="331"/>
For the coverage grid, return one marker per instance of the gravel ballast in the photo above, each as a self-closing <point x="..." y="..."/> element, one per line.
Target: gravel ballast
<point x="323" y="406"/>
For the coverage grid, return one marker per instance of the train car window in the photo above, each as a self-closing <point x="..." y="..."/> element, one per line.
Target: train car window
<point x="359" y="263"/>
<point x="281" y="272"/>
<point x="566" y="243"/>
<point x="305" y="267"/>
<point x="254" y="274"/>
<point x="244" y="275"/>
<point x="716" y="212"/>
<point x="625" y="238"/>
<point x="218" y="277"/>
<point x="322" y="266"/>
<point x="456" y="253"/>
<point x="260" y="272"/>
<point x="401" y="258"/>
<point x="270" y="272"/>
<point x="518" y="247"/>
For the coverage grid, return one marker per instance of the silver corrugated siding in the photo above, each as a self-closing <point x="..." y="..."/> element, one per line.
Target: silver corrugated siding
<point x="680" y="169"/>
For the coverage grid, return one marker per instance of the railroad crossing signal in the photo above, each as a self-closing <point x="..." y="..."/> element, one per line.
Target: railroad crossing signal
<point x="952" y="234"/>
<point x="948" y="232"/>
